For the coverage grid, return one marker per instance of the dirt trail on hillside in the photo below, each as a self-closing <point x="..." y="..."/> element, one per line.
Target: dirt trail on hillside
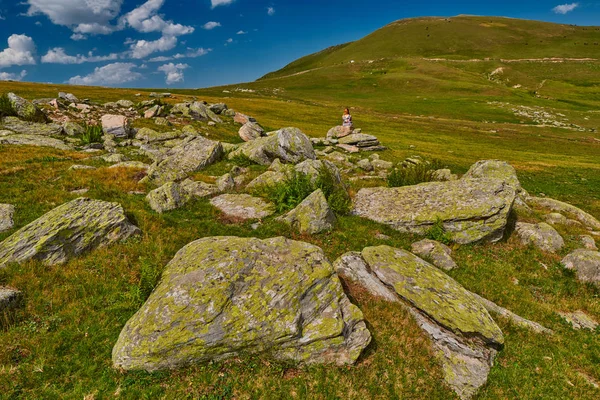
<point x="518" y="60"/>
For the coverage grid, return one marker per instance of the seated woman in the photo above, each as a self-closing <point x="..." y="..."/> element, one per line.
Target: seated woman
<point x="347" y="118"/>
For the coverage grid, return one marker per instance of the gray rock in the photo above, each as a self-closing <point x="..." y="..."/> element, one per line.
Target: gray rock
<point x="73" y="129"/>
<point x="494" y="169"/>
<point x="365" y="165"/>
<point x="443" y="175"/>
<point x="80" y="166"/>
<point x="588" y="242"/>
<point x="225" y="183"/>
<point x="125" y="103"/>
<point x="470" y="210"/>
<point x="579" y="320"/>
<point x="68" y="97"/>
<point x="218" y="108"/>
<point x="221" y="296"/>
<point x="166" y="198"/>
<point x="242" y="206"/>
<point x="560" y="207"/>
<point x="313" y="215"/>
<point x="359" y="140"/>
<point x="130" y="164"/>
<point x="147" y="135"/>
<point x="34" y="140"/>
<point x="438" y="253"/>
<point x="382" y="165"/>
<point x="242" y="118"/>
<point x="153" y="111"/>
<point x="31" y="128"/>
<point x="555" y="219"/>
<point x="192" y="189"/>
<point x="339" y="132"/>
<point x="117" y="125"/>
<point x="201" y="112"/>
<point x="250" y="131"/>
<point x="585" y="263"/>
<point x="290" y="145"/>
<point x="9" y="300"/>
<point x="348" y="148"/>
<point x="114" y="158"/>
<point x="67" y="231"/>
<point x="7" y="212"/>
<point x="540" y="235"/>
<point x="26" y="109"/>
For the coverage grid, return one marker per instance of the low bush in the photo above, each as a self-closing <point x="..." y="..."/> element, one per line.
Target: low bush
<point x="438" y="233"/>
<point x="92" y="134"/>
<point x="413" y="174"/>
<point x="242" y="160"/>
<point x="6" y="108"/>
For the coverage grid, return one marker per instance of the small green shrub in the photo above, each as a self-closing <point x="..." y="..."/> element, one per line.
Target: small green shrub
<point x="242" y="160"/>
<point x="438" y="233"/>
<point x="149" y="277"/>
<point x="92" y="134"/>
<point x="6" y="108"/>
<point x="289" y="193"/>
<point x="339" y="201"/>
<point x="414" y="174"/>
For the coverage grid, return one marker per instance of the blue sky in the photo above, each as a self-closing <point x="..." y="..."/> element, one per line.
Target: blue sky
<point x="200" y="43"/>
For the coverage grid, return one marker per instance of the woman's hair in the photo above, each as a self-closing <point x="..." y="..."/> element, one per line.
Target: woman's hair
<point x="346" y="110"/>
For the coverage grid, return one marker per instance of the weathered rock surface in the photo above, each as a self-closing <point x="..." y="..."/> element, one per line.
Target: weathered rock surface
<point x="290" y="145"/>
<point x="31" y="128"/>
<point x="470" y="210"/>
<point x="339" y="131"/>
<point x="540" y="235"/>
<point x="464" y="335"/>
<point x="192" y="155"/>
<point x="201" y="112"/>
<point x="192" y="188"/>
<point x="312" y="215"/>
<point x="586" y="264"/>
<point x="438" y="253"/>
<point x="130" y="164"/>
<point x="125" y="103"/>
<point x="359" y="140"/>
<point x="34" y="140"/>
<point x="6" y="217"/>
<point x="73" y="129"/>
<point x="68" y="97"/>
<point x="250" y="131"/>
<point x="223" y="295"/>
<point x="218" y="108"/>
<point x="494" y="169"/>
<point x="167" y="197"/>
<point x="242" y="118"/>
<point x="225" y="182"/>
<point x="561" y="207"/>
<point x="586" y="241"/>
<point x="67" y="231"/>
<point x="9" y="299"/>
<point x="147" y="135"/>
<point x="117" y="125"/>
<point x="579" y="320"/>
<point x="242" y="206"/>
<point x="26" y="109"/>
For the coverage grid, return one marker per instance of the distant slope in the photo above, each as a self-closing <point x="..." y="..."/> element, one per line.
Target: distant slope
<point x="462" y="37"/>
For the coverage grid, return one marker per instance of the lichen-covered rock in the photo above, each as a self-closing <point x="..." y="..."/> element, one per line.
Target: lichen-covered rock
<point x="73" y="129"/>
<point x="242" y="118"/>
<point x="166" y="198"/>
<point x="130" y="164"/>
<point x="225" y="183"/>
<point x="494" y="169"/>
<point x="290" y="145"/>
<point x="250" y="131"/>
<point x="6" y="217"/>
<point x="438" y="253"/>
<point x="31" y="128"/>
<point x="147" y="135"/>
<point x="34" y="140"/>
<point x="114" y="158"/>
<point x="194" y="154"/>
<point x="68" y="97"/>
<point x="540" y="235"/>
<point x="470" y="210"/>
<point x="314" y="168"/>
<point x="201" y="112"/>
<point x="586" y="241"/>
<point x="359" y="140"/>
<point x="555" y="219"/>
<point x="242" y="206"/>
<point x="464" y="336"/>
<point x="313" y="215"/>
<point x="67" y="231"/>
<point x="26" y="109"/>
<point x="382" y="165"/>
<point x="9" y="300"/>
<point x="339" y="131"/>
<point x="365" y="165"/>
<point x="192" y="189"/>
<point x="443" y="175"/>
<point x="116" y="125"/>
<point x="579" y="320"/>
<point x="561" y="207"/>
<point x="125" y="103"/>
<point x="586" y="264"/>
<point x="218" y="108"/>
<point x="223" y="295"/>
<point x="267" y="179"/>
<point x="153" y="111"/>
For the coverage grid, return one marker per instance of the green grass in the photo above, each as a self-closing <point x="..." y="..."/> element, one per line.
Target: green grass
<point x="92" y="134"/>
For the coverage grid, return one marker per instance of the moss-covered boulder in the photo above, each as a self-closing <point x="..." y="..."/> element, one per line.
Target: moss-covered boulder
<point x="34" y="140"/>
<point x="31" y="128"/>
<point x="202" y="112"/>
<point x="464" y="336"/>
<point x="9" y="300"/>
<point x="242" y="206"/>
<point x="438" y="253"/>
<point x="470" y="210"/>
<point x="312" y="215"/>
<point x="26" y="109"/>
<point x="290" y="145"/>
<point x="148" y="135"/>
<point x="67" y="231"/>
<point x="541" y="235"/>
<point x="6" y="217"/>
<point x="194" y="154"/>
<point x="223" y="295"/>
<point x="585" y="263"/>
<point x="167" y="197"/>
<point x="495" y="169"/>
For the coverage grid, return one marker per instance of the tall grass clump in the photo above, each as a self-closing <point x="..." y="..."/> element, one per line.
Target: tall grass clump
<point x="438" y="233"/>
<point x="6" y="108"/>
<point x="242" y="160"/>
<point x="413" y="174"/>
<point x="92" y="134"/>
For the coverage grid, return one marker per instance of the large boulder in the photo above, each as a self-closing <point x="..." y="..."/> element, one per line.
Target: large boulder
<point x="463" y="334"/>
<point x="339" y="131"/>
<point x="242" y="206"/>
<point x="166" y="198"/>
<point x="194" y="154"/>
<point x="470" y="210"/>
<point x="218" y="108"/>
<point x="561" y="207"/>
<point x="34" y="140"/>
<point x="290" y="145"/>
<point x="31" y="128"/>
<point x="6" y="217"/>
<point x="540" y="235"/>
<point x="495" y="169"/>
<point x="67" y="231"/>
<point x="201" y="112"/>
<point x="26" y="109"/>
<point x="585" y="263"/>
<point x="281" y="172"/>
<point x="359" y="140"/>
<point x="312" y="215"/>
<point x="116" y="125"/>
<point x="250" y="131"/>
<point x="221" y="296"/>
<point x="439" y="254"/>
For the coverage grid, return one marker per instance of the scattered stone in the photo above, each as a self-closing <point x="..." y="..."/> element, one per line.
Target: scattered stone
<point x="250" y="131"/>
<point x="382" y="236"/>
<point x="67" y="231"/>
<point x="147" y="135"/>
<point x="31" y="128"/>
<point x="7" y="212"/>
<point x="166" y="198"/>
<point x="220" y="296"/>
<point x="26" y="109"/>
<point x="68" y="97"/>
<point x="125" y="103"/>
<point x="114" y="158"/>
<point x="540" y="235"/>
<point x="586" y="264"/>
<point x="267" y="179"/>
<point x="438" y="253"/>
<point x="444" y="175"/>
<point x="162" y="121"/>
<point x="290" y="145"/>
<point x="242" y="206"/>
<point x="242" y="119"/>
<point x="80" y="166"/>
<point x="73" y="129"/>
<point x="339" y="132"/>
<point x="382" y="165"/>
<point x="9" y="300"/>
<point x="199" y="111"/>
<point x="359" y="140"/>
<point x="79" y="192"/>
<point x="365" y="165"/>
<point x="218" y="108"/>
<point x="130" y="164"/>
<point x="579" y="320"/>
<point x="558" y="206"/>
<point x="211" y="123"/>
<point x="117" y="125"/>
<point x="225" y="183"/>
<point x="313" y="215"/>
<point x="470" y="210"/>
<point x="348" y="148"/>
<point x="198" y="189"/>
<point x="588" y="242"/>
<point x="34" y="140"/>
<point x="153" y="111"/>
<point x="463" y="334"/>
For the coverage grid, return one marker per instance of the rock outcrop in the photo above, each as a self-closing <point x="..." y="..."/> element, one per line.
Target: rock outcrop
<point x="540" y="235"/>
<point x="9" y="300"/>
<point x="67" y="231"/>
<point x="470" y="210"/>
<point x="34" y="140"/>
<point x="585" y="263"/>
<point x="494" y="169"/>
<point x="26" y="109"/>
<point x="290" y="145"/>
<point x="223" y="295"/>
<point x="313" y="215"/>
<point x="31" y="128"/>
<point x="464" y="335"/>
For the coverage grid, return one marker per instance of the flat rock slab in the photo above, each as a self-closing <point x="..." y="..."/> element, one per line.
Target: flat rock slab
<point x="223" y="295"/>
<point x="560" y="207"/>
<point x="495" y="169"/>
<point x="579" y="320"/>
<point x="6" y="217"/>
<point x="67" y="231"/>
<point x="242" y="206"/>
<point x="357" y="138"/>
<point x="31" y="128"/>
<point x="34" y="140"/>
<point x="585" y="263"/>
<point x="541" y="235"/>
<point x="470" y="210"/>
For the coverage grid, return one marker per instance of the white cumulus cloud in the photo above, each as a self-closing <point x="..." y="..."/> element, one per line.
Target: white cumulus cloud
<point x="143" y="48"/>
<point x="6" y="76"/>
<point x="78" y="36"/>
<point x="217" y="3"/>
<point x="20" y="51"/>
<point x="145" y="19"/>
<point x="211" y="25"/>
<point x="565" y="8"/>
<point x="173" y="72"/>
<point x="111" y="74"/>
<point x="241" y="33"/>
<point x="190" y="53"/>
<point x="270" y="11"/>
<point x="58" y="55"/>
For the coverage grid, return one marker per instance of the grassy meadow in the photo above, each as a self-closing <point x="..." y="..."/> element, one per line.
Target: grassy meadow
<point x="59" y="344"/>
